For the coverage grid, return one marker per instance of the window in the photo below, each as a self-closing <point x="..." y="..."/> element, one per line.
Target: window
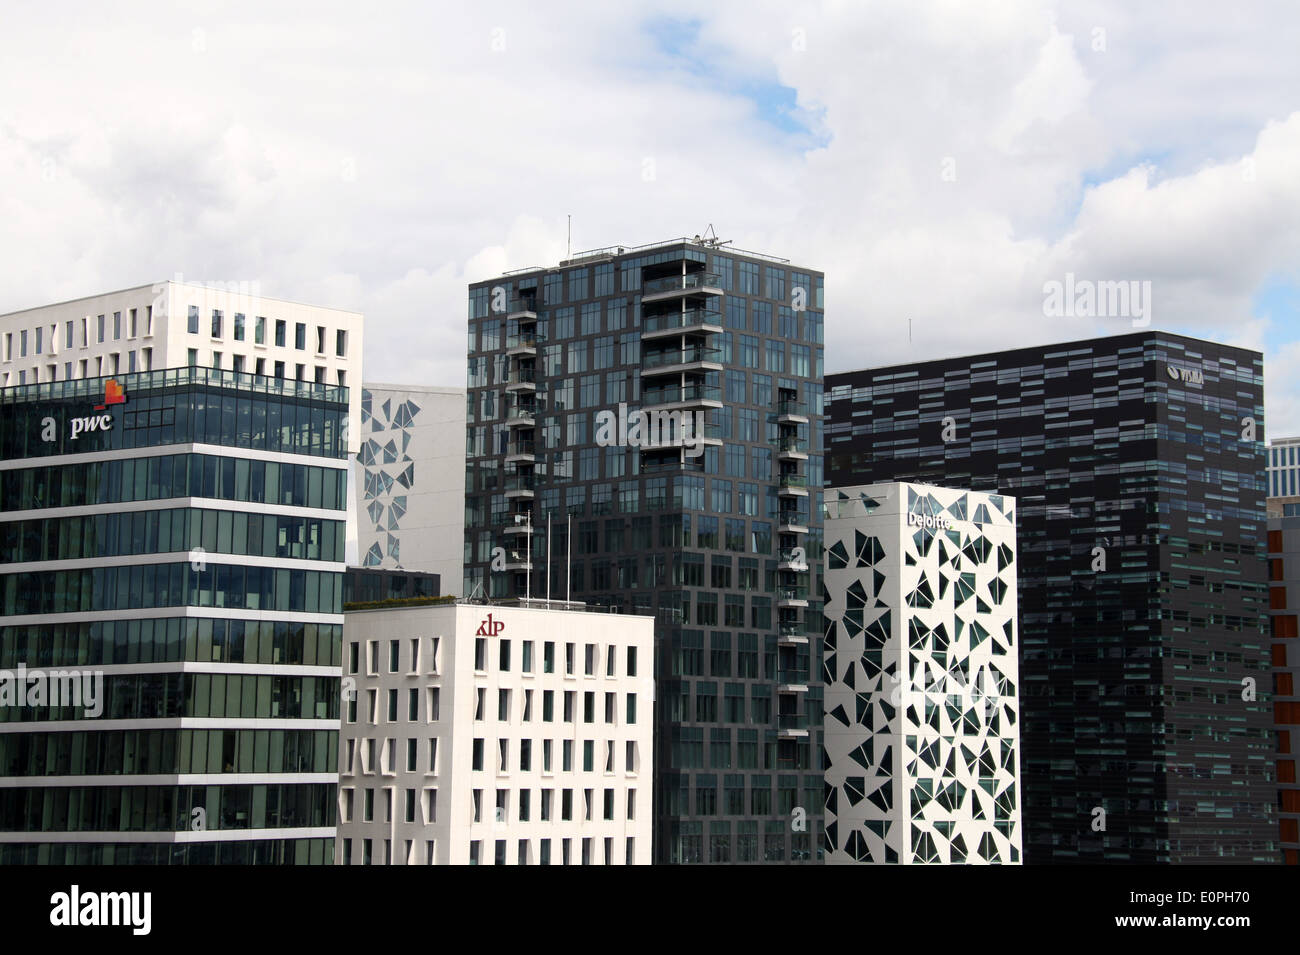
<point x="216" y="323"/>
<point x="259" y="330"/>
<point x="193" y="321"/>
<point x="279" y="334"/>
<point x="300" y="336"/>
<point x="340" y="343"/>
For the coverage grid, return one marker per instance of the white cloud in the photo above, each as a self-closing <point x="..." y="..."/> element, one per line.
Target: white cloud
<point x="382" y="162"/>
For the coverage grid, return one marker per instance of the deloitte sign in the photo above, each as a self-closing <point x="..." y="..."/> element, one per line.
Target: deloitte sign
<point x="931" y="522"/>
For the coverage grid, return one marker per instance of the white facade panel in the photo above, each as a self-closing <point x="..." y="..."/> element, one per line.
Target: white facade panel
<point x="922" y="714"/>
<point x="503" y="734"/>
<point x="410" y="505"/>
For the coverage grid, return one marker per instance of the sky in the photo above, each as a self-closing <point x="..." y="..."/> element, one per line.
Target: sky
<point x="941" y="162"/>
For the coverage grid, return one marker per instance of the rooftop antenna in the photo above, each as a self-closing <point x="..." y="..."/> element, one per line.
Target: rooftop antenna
<point x="569" y="253"/>
<point x="710" y="238"/>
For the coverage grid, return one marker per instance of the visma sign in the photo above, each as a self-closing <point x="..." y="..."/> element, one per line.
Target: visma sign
<point x="86" y="424"/>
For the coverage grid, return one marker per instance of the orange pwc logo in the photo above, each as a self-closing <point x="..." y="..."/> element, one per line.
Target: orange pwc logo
<point x="113" y="394"/>
<point x="490" y="627"/>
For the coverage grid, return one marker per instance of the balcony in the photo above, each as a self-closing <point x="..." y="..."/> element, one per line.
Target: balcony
<point x="704" y="320"/>
<point x="791" y="635"/>
<point x="521" y="486"/>
<point x="521" y="379"/>
<point x="679" y="286"/>
<point x="792" y="485"/>
<point x="518" y="560"/>
<point x="522" y="345"/>
<point x="791" y="522"/>
<point x="517" y="529"/>
<point x="791" y="411"/>
<point x="651" y="466"/>
<point x="791" y="449"/>
<point x="678" y="360"/>
<point x="791" y="725"/>
<point x="521" y="452"/>
<point x="792" y="598"/>
<point x="523" y="310"/>
<point x="680" y="397"/>
<point x="788" y="558"/>
<point x="521" y="416"/>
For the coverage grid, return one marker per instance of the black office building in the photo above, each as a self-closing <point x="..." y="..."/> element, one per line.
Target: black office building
<point x="1138" y="465"/>
<point x="667" y="400"/>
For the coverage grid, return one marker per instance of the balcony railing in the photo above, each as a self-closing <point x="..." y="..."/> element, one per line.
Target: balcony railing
<point x="692" y="392"/>
<point x="784" y="445"/>
<point x="520" y="482"/>
<point x="793" y="630"/>
<point x="520" y="447"/>
<point x="791" y="517"/>
<point x="523" y="305"/>
<point x="792" y="593"/>
<point x="792" y="721"/>
<point x="791" y="406"/>
<point x="790" y="555"/>
<point x="792" y="480"/>
<point x="672" y="283"/>
<point x="790" y="673"/>
<point x="679" y="356"/>
<point x="523" y="341"/>
<point x="691" y="318"/>
<point x="521" y="376"/>
<point x="521" y="412"/>
<point x="649" y="467"/>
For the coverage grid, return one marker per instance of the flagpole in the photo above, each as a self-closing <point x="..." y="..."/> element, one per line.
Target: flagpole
<point x="568" y="560"/>
<point x="548" y="560"/>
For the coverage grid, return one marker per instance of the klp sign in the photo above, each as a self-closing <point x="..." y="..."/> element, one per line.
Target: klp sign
<point x="930" y="522"/>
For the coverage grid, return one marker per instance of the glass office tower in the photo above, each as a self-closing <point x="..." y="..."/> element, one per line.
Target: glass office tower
<point x="174" y="538"/>
<point x="1138" y="464"/>
<point x="667" y="401"/>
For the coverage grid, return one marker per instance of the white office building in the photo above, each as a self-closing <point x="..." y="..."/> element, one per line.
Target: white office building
<point x="507" y="735"/>
<point x="410" y="504"/>
<point x="921" y="706"/>
<point x="173" y="324"/>
<point x="1283" y="476"/>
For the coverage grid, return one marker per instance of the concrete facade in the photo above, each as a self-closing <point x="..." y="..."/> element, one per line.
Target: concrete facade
<point x="410" y="505"/>
<point x="478" y="734"/>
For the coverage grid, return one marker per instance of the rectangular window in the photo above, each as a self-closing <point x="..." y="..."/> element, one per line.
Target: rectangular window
<point x="300" y="336"/>
<point x="279" y="333"/>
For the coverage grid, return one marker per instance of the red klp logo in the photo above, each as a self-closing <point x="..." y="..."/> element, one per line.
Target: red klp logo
<point x="490" y="627"/>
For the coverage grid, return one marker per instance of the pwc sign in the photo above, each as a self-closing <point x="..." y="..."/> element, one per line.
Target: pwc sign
<point x="490" y="627"/>
<point x="113" y="395"/>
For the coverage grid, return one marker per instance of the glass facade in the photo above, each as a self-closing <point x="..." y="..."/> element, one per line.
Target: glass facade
<point x="214" y="502"/>
<point x="666" y="403"/>
<point x="1138" y="466"/>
